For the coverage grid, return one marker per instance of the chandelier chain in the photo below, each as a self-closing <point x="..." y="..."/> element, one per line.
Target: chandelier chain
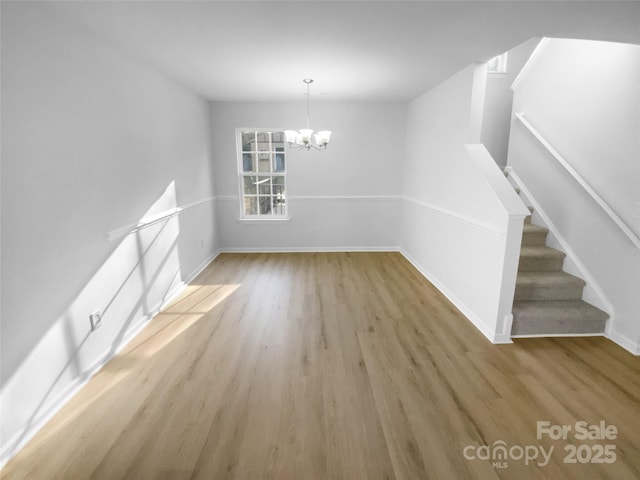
<point x="308" y="82"/>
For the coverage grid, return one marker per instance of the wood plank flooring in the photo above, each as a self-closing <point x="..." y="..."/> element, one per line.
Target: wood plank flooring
<point x="333" y="366"/>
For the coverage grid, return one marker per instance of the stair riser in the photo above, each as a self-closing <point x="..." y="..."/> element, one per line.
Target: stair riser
<point x="538" y="264"/>
<point x="534" y="238"/>
<point x="569" y="292"/>
<point x="523" y="326"/>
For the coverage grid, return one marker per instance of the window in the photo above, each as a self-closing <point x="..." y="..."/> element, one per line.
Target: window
<point x="497" y="64"/>
<point x="262" y="173"/>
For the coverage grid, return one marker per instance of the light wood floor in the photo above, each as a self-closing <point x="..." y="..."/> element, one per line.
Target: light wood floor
<point x="331" y="366"/>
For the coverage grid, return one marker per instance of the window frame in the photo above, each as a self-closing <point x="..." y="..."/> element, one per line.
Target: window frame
<point x="501" y="65"/>
<point x="258" y="217"/>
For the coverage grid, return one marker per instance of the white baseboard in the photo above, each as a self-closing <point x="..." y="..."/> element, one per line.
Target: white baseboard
<point x="501" y="339"/>
<point x="547" y="335"/>
<point x="624" y="341"/>
<point x="22" y="437"/>
<point x="307" y="249"/>
<point x="178" y="289"/>
<point x="493" y="337"/>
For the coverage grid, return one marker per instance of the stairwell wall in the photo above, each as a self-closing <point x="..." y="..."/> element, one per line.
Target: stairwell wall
<point x="583" y="97"/>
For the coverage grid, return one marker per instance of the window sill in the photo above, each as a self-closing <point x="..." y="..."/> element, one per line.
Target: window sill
<point x="264" y="220"/>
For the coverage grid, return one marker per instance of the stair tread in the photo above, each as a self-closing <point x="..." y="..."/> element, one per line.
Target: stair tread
<point x="540" y="251"/>
<point x="550" y="279"/>
<point x="558" y="310"/>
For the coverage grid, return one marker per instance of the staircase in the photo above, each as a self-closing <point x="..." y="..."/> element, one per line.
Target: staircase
<point x="548" y="301"/>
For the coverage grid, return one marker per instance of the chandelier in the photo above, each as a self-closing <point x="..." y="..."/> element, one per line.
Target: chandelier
<point x="302" y="138"/>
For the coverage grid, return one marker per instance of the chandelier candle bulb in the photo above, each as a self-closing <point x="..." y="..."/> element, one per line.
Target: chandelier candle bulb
<point x="290" y="136"/>
<point x="305" y="135"/>
<point x="322" y="138"/>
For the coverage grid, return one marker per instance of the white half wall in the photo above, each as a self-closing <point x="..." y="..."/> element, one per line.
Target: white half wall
<point x="454" y="228"/>
<point x="92" y="140"/>
<point x="346" y="197"/>
<point x="584" y="99"/>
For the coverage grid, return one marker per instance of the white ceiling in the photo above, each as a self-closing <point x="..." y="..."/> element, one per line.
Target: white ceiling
<point x="360" y="50"/>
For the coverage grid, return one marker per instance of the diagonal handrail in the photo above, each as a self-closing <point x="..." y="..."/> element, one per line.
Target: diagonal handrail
<point x="581" y="181"/>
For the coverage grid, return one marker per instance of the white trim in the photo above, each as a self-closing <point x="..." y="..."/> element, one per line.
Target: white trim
<point x="308" y="249"/>
<point x="532" y="58"/>
<point x="458" y="216"/>
<point x="573" y="257"/>
<point x="263" y="220"/>
<point x="624" y="341"/>
<point x="23" y="436"/>
<point x="492" y="336"/>
<point x="152" y="220"/>
<point x="545" y="335"/>
<point x="325" y="197"/>
<point x="345" y="197"/>
<point x="581" y="181"/>
<point x="507" y="325"/>
<point x="197" y="271"/>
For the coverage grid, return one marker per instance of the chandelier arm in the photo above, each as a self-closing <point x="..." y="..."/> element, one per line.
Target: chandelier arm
<point x="307" y="146"/>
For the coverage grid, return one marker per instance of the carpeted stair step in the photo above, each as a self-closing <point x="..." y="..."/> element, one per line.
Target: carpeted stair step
<point x="527" y="219"/>
<point x="539" y="258"/>
<point x="556" y="318"/>
<point x="534" y="234"/>
<point x="548" y="286"/>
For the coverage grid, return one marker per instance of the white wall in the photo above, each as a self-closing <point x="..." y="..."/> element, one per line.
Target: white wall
<point x="496" y="120"/>
<point x="92" y="140"/>
<point x="453" y="226"/>
<point x="354" y="184"/>
<point x="584" y="98"/>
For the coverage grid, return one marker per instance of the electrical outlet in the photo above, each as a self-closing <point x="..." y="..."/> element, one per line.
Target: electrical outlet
<point x="96" y="320"/>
